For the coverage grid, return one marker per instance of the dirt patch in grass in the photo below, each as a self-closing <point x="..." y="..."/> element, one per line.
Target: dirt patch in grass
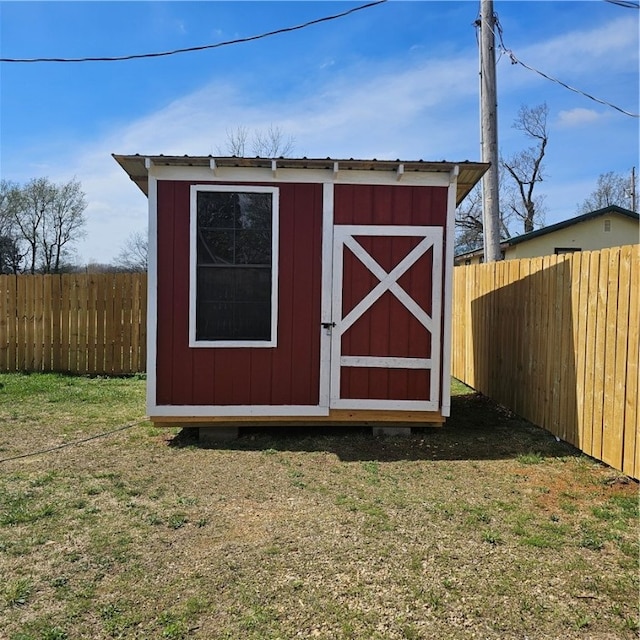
<point x="485" y="528"/>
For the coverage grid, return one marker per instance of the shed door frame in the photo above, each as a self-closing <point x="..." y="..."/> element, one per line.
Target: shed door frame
<point x="335" y="240"/>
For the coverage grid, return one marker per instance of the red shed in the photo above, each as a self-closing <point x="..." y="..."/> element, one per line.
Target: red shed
<point x="299" y="290"/>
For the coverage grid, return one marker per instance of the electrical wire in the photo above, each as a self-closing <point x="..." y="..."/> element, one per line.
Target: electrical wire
<point x="216" y="45"/>
<point x="515" y="60"/>
<point x="627" y="4"/>
<point x="123" y="427"/>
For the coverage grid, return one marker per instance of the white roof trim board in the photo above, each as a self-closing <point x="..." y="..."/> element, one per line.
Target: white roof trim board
<point x="333" y="170"/>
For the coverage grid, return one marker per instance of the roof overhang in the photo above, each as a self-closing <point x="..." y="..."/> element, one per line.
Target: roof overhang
<point x="468" y="173"/>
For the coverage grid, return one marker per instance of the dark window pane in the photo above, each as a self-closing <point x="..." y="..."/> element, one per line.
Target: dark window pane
<point x="233" y="321"/>
<point x="254" y="211"/>
<point x="214" y="320"/>
<point x="253" y="320"/>
<point x="216" y="285"/>
<point x="216" y="247"/>
<point x="217" y="209"/>
<point x="237" y="284"/>
<point x="253" y="285"/>
<point x="253" y="247"/>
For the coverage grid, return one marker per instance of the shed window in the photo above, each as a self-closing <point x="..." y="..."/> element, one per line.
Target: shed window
<point x="233" y="266"/>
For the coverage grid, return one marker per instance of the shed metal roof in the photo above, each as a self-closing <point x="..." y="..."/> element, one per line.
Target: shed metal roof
<point x="470" y="173"/>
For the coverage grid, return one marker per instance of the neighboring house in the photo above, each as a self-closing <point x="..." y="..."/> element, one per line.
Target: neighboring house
<point x="612" y="226"/>
<point x="297" y="290"/>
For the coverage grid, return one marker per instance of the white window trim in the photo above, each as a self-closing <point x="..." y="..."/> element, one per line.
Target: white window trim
<point x="193" y="267"/>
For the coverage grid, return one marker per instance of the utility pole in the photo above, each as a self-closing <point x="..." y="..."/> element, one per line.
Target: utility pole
<point x="489" y="133"/>
<point x="633" y="189"/>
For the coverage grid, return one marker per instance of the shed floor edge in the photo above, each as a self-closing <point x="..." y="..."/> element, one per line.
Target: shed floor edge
<point x="336" y="417"/>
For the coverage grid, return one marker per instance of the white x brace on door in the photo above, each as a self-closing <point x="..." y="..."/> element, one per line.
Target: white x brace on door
<point x="345" y="240"/>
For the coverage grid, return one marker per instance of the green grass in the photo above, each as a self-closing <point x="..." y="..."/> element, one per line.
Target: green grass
<point x="17" y="592"/>
<point x="459" y="388"/>
<point x="531" y="457"/>
<point x="143" y="534"/>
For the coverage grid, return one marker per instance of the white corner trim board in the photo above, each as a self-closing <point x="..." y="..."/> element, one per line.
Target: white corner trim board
<point x="448" y="294"/>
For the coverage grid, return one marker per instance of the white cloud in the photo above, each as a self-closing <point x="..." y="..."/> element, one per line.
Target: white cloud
<point x="369" y="112"/>
<point x="587" y="59"/>
<point x="610" y="47"/>
<point x="578" y="117"/>
<point x="327" y="64"/>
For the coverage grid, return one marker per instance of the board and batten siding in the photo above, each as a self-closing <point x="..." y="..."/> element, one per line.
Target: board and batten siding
<point x="285" y="375"/>
<point x="383" y="204"/>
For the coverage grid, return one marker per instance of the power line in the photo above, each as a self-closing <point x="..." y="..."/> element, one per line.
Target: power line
<point x="515" y="60"/>
<point x="217" y="45"/>
<point x="627" y="4"/>
<point x="123" y="427"/>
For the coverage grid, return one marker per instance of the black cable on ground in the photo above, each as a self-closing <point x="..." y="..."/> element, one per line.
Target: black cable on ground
<point x="123" y="427"/>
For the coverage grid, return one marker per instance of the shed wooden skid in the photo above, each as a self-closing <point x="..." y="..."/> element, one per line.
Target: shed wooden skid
<point x="298" y="291"/>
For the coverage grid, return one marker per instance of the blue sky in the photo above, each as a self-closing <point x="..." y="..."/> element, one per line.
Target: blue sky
<point x="399" y="80"/>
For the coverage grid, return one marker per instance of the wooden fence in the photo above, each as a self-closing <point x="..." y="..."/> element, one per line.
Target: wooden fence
<point x="79" y="323"/>
<point x="555" y="340"/>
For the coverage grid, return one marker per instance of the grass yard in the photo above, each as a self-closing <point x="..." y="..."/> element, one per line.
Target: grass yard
<point x="486" y="528"/>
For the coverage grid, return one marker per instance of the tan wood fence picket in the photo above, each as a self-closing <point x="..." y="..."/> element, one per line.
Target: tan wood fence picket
<point x="555" y="340"/>
<point x="77" y="323"/>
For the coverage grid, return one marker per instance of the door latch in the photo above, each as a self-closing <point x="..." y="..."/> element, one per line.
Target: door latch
<point x="328" y="325"/>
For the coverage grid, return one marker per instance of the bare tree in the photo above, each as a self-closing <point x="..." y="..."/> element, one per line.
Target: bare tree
<point x="525" y="168"/>
<point x="63" y="224"/>
<point x="11" y="250"/>
<point x="236" y="143"/>
<point x="134" y="254"/>
<point x="612" y="188"/>
<point x="47" y="219"/>
<point x="33" y="202"/>
<point x="469" y="222"/>
<point x="271" y="143"/>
